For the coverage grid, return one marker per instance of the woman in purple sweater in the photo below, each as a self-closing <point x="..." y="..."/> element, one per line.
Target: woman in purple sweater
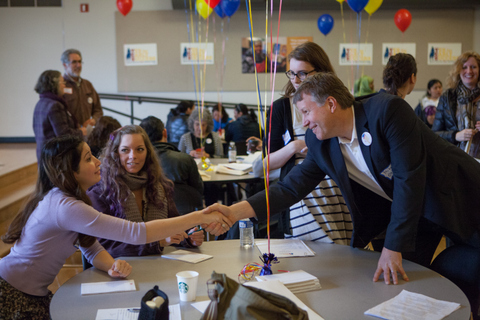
<point x="133" y="187"/>
<point x="58" y="217"/>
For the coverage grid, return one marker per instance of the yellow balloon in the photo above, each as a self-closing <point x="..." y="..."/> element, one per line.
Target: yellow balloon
<point x="203" y="9"/>
<point x="373" y="6"/>
<point x="340" y="1"/>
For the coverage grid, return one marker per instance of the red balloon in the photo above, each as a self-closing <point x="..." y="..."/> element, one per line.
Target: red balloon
<point x="124" y="6"/>
<point x="402" y="19"/>
<point x="212" y="3"/>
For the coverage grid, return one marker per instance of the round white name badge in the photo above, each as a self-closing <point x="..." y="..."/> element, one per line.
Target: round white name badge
<point x="367" y="138"/>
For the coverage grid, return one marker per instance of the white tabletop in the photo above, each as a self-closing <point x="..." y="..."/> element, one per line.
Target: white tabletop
<point x="345" y="275"/>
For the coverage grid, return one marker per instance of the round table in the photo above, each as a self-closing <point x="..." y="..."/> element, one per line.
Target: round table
<point x="345" y="275"/>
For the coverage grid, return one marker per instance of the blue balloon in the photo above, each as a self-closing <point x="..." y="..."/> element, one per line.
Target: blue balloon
<point x="357" y="5"/>
<point x="325" y="23"/>
<point x="229" y="6"/>
<point x="219" y="11"/>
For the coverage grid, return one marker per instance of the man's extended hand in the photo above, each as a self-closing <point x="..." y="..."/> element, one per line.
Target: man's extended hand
<point x="390" y="262"/>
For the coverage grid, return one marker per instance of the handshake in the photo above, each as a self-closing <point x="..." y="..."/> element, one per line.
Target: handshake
<point x="218" y="219"/>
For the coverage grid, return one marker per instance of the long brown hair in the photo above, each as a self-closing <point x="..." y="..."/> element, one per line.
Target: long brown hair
<point x="115" y="190"/>
<point x="60" y="159"/>
<point x="398" y="70"/>
<point x="312" y="53"/>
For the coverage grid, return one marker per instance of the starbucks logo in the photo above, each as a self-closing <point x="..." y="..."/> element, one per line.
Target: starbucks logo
<point x="183" y="287"/>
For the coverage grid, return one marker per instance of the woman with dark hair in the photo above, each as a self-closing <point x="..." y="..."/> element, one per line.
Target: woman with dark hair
<point x="134" y="187"/>
<point x="98" y="138"/>
<point x="245" y="125"/>
<point x="57" y="217"/>
<point x="201" y="135"/>
<point x="400" y="74"/>
<point x="430" y="101"/>
<point x="51" y="117"/>
<point x="323" y="214"/>
<point x="457" y="119"/>
<point x="177" y="121"/>
<point x="220" y="119"/>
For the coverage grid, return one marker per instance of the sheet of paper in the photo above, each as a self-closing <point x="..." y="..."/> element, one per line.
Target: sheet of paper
<point x="187" y="256"/>
<point x="413" y="306"/>
<point x="201" y="305"/>
<point x="277" y="287"/>
<point x="132" y="313"/>
<point x="107" y="286"/>
<point x="285" y="248"/>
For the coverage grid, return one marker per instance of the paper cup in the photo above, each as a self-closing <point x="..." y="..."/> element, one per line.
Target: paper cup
<point x="187" y="285"/>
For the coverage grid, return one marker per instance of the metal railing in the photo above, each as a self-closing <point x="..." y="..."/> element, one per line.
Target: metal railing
<point x="140" y="99"/>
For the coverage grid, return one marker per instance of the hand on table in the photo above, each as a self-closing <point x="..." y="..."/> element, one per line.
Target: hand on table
<point x="466" y="134"/>
<point x="390" y="262"/>
<point x="300" y="147"/>
<point x="196" y="237"/>
<point x="120" y="269"/>
<point x="176" y="239"/>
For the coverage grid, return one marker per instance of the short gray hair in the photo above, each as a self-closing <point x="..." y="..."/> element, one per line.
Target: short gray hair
<point x="207" y="117"/>
<point x="66" y="55"/>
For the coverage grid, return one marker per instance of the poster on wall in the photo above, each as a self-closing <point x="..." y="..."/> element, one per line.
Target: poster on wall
<point x="356" y="54"/>
<point x="140" y="54"/>
<point x="391" y="49"/>
<point x="443" y="53"/>
<point x="265" y="53"/>
<point x="196" y="53"/>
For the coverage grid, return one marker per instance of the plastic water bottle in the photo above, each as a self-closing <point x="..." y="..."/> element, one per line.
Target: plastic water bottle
<point x="246" y="233"/>
<point x="232" y="152"/>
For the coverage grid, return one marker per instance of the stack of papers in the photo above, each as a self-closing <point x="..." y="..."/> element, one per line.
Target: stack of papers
<point x="237" y="169"/>
<point x="285" y="248"/>
<point x="296" y="281"/>
<point x="187" y="256"/>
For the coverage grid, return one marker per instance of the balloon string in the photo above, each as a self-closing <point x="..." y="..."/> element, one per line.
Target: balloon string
<point x="250" y="23"/>
<point x="343" y="23"/>
<point x="351" y="79"/>
<point x="366" y="40"/>
<point x="190" y="27"/>
<point x="359" y="28"/>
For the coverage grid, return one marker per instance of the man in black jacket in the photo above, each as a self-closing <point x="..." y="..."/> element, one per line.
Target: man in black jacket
<point x="177" y="166"/>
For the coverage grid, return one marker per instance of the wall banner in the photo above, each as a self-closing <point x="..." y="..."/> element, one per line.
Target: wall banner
<point x="196" y="53"/>
<point x="140" y="54"/>
<point x="443" y="53"/>
<point x="356" y="54"/>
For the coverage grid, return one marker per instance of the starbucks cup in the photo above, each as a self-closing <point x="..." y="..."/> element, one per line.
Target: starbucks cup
<point x="187" y="285"/>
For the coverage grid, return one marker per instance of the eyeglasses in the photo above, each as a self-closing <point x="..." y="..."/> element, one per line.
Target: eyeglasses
<point x="76" y="62"/>
<point x="302" y="75"/>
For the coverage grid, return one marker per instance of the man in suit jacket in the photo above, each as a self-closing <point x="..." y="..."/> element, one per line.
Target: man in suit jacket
<point x="395" y="174"/>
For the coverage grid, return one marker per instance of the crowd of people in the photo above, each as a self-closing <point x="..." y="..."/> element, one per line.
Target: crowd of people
<point x="353" y="170"/>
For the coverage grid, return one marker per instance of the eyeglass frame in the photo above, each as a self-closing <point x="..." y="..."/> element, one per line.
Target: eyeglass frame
<point x="297" y="74"/>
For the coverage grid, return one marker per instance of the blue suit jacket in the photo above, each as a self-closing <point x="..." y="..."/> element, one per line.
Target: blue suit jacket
<point x="421" y="172"/>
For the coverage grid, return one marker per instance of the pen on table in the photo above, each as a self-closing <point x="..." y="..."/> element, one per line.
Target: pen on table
<point x="134" y="309"/>
<point x="192" y="232"/>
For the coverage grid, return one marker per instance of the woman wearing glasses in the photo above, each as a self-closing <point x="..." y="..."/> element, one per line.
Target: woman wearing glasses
<point x="323" y="214"/>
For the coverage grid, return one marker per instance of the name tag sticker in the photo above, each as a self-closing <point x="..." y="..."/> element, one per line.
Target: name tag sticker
<point x="387" y="173"/>
<point x="286" y="137"/>
<point x="67" y="90"/>
<point x="90" y="100"/>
